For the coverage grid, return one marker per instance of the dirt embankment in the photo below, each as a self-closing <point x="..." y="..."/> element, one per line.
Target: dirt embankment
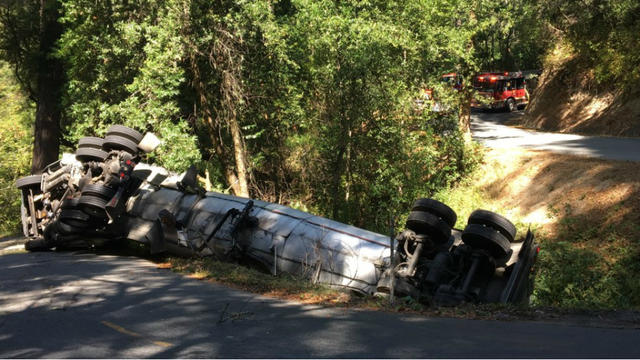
<point x="585" y="213"/>
<point x="543" y="187"/>
<point x="568" y="100"/>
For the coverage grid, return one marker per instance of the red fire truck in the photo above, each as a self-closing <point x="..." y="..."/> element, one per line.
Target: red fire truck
<point x="501" y="90"/>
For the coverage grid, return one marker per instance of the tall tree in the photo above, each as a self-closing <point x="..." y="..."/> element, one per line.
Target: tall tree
<point x="124" y="66"/>
<point x="301" y="102"/>
<point x="29" y="31"/>
<point x="215" y="48"/>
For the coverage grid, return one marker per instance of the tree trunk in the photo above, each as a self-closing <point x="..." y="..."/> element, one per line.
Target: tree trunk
<point x="464" y="121"/>
<point x="239" y="156"/>
<point x="234" y="181"/>
<point x="340" y="164"/>
<point x="226" y="58"/>
<point x="338" y="170"/>
<point x="198" y="85"/>
<point x="46" y="138"/>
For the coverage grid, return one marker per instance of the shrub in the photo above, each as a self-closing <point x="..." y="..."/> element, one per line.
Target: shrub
<point x="15" y="148"/>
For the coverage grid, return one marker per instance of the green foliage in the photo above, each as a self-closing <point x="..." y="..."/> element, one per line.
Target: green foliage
<point x="572" y="276"/>
<point x="361" y="153"/>
<point x="585" y="265"/>
<point x="575" y="273"/>
<point x="510" y="36"/>
<point x="320" y="91"/>
<point x="605" y="33"/>
<point x="16" y="118"/>
<point x="123" y="65"/>
<point x="19" y="41"/>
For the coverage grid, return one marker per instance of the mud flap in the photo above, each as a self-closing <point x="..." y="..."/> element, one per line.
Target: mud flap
<point x="517" y="286"/>
<point x="115" y="206"/>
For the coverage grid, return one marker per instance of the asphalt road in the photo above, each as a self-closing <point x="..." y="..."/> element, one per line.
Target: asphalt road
<point x="489" y="129"/>
<point x="70" y="305"/>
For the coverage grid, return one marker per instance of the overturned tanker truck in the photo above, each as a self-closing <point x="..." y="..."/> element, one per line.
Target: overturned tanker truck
<point x="104" y="193"/>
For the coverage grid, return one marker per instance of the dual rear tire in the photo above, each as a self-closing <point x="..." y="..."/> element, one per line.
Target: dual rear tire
<point x="122" y="138"/>
<point x="490" y="232"/>
<point x="433" y="218"/>
<point x="31" y="181"/>
<point x="118" y="137"/>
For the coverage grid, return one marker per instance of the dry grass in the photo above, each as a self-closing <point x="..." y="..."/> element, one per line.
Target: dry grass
<point x="585" y="212"/>
<point x="248" y="278"/>
<point x="543" y="188"/>
<point x="569" y="99"/>
<point x="301" y="291"/>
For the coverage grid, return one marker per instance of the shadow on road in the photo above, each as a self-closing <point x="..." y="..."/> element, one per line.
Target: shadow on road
<point x="84" y="305"/>
<point x="500" y="117"/>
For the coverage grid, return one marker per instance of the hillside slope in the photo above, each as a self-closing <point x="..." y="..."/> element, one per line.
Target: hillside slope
<point x="584" y="211"/>
<point x="569" y="100"/>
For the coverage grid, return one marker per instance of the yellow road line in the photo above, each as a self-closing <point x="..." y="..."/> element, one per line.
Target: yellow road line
<point x="122" y="330"/>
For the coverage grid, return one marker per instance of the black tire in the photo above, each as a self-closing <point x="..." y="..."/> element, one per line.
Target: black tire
<point x="402" y="288"/>
<point x="69" y="229"/>
<point x="37" y="245"/>
<point x="424" y="223"/>
<point x="76" y="218"/>
<point x="85" y="154"/>
<point x="99" y="190"/>
<point x="117" y="142"/>
<point x="495" y="221"/>
<point x="29" y="181"/>
<point x="126" y="132"/>
<point x="93" y="206"/>
<point x="74" y="244"/>
<point x="437" y="208"/>
<point x="510" y="105"/>
<point x="69" y="203"/>
<point x="486" y="238"/>
<point x="91" y="142"/>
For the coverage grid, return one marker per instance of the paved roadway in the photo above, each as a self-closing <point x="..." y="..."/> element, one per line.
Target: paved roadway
<point x="70" y="305"/>
<point x="488" y="128"/>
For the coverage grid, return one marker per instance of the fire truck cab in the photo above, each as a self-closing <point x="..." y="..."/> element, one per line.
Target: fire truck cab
<point x="504" y="90"/>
